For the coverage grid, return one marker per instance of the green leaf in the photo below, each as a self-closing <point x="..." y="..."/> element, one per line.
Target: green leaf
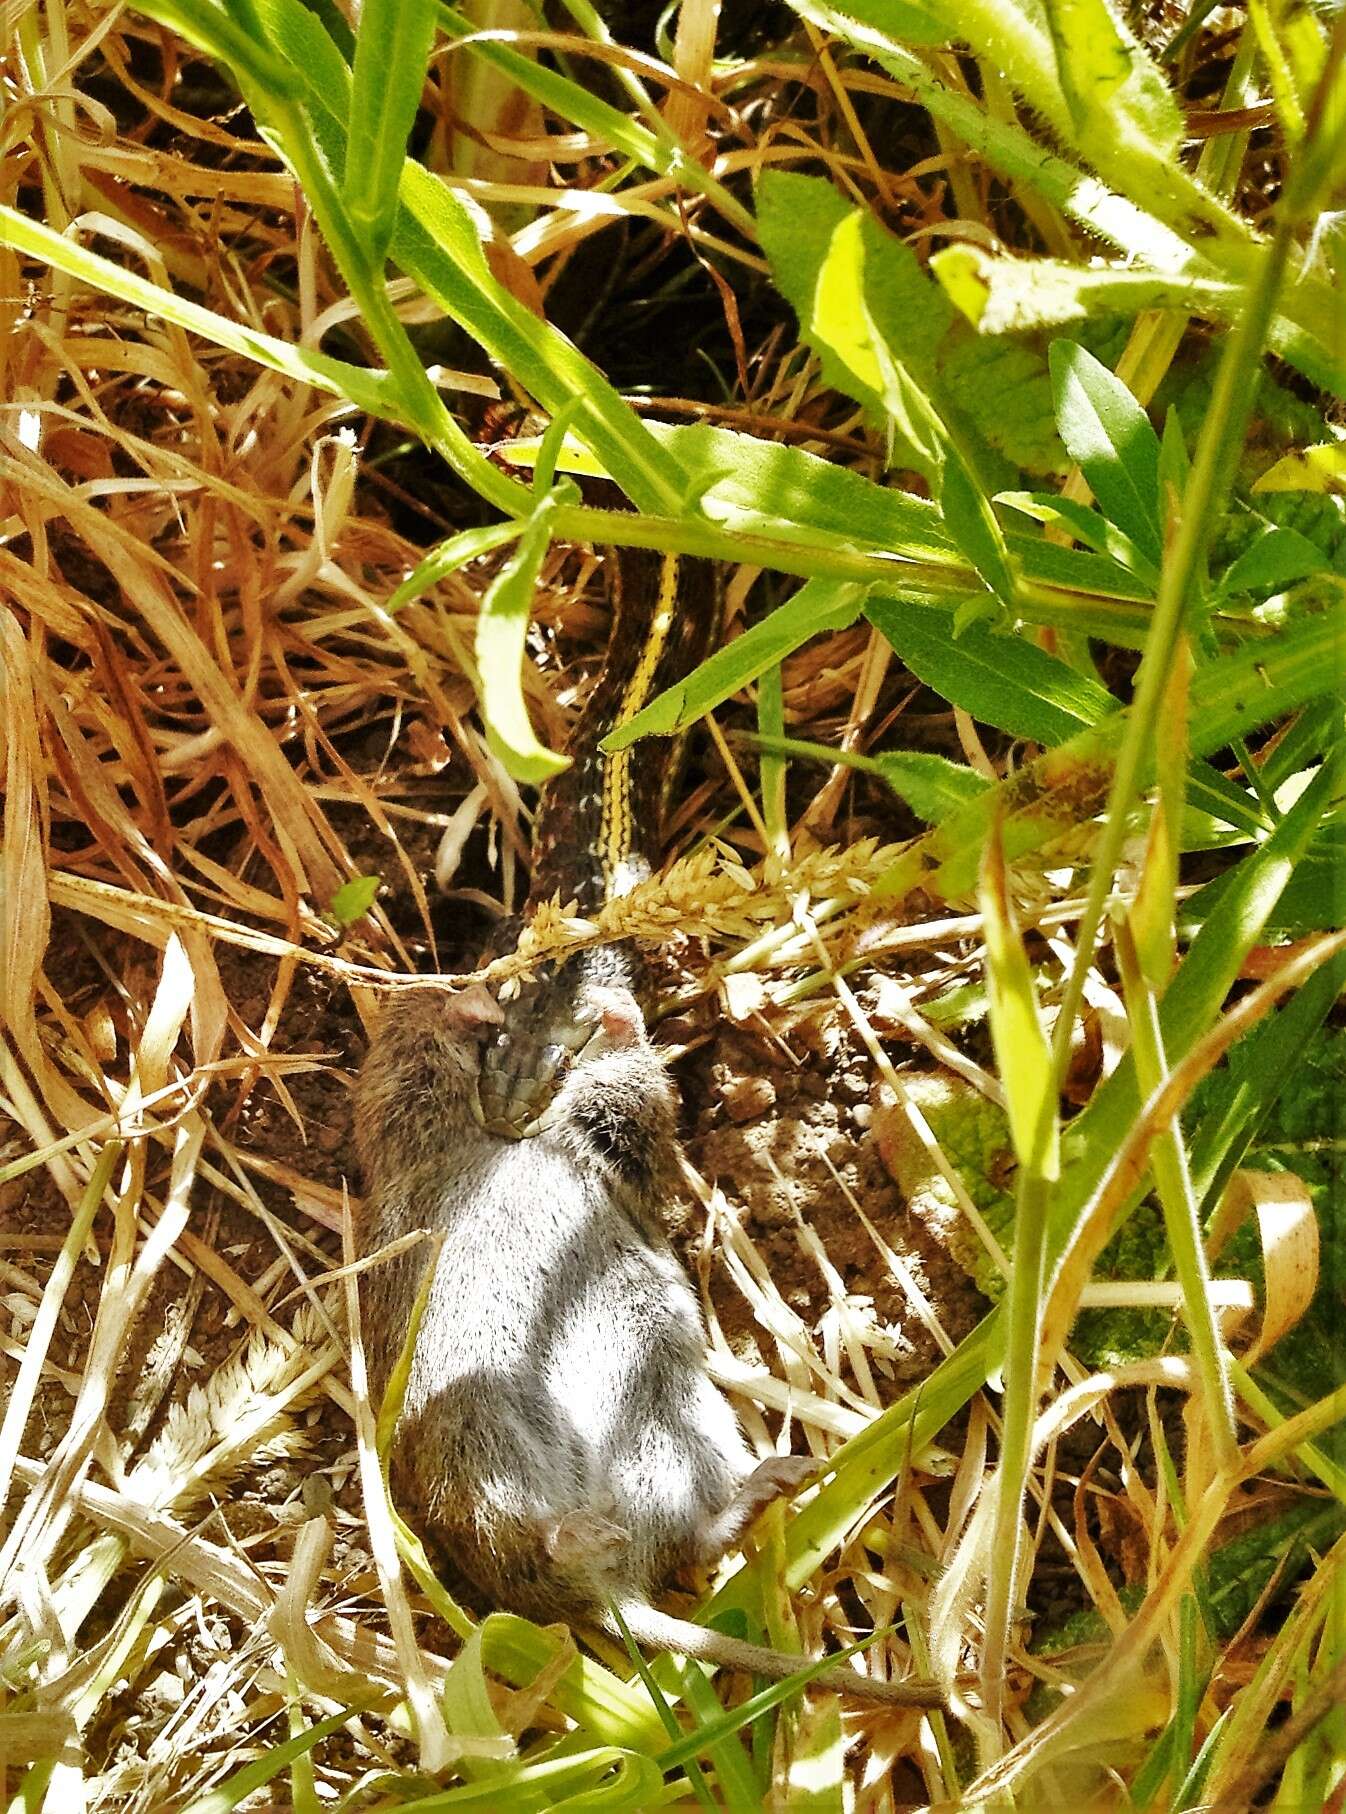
<point x="1109" y="437"/>
<point x="1058" y="795"/>
<point x="455" y="552"/>
<point x="1104" y="73"/>
<point x="1321" y="469"/>
<point x="1000" y="294"/>
<point x="1313" y="900"/>
<point x="971" y="522"/>
<point x="981" y="390"/>
<point x="796" y="219"/>
<point x="469" y="1713"/>
<point x="392" y="46"/>
<point x="1088" y="526"/>
<point x="746" y="484"/>
<point x="839" y="319"/>
<point x="1197" y="993"/>
<point x="502" y="630"/>
<point x="818" y="605"/>
<point x="1022" y="1052"/>
<point x="1277" y="558"/>
<point x="353" y="899"/>
<point x="255" y="1776"/>
<point x="369" y="391"/>
<point x="843" y="320"/>
<point x="932" y="786"/>
<point x="1000" y="679"/>
<point x="1004" y="390"/>
<point x="817" y="1769"/>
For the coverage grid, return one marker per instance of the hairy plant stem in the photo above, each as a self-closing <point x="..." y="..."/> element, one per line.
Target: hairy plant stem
<point x="1182" y="1219"/>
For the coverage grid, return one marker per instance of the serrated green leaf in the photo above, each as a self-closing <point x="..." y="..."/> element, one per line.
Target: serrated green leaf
<point x="1109" y="437"/>
<point x="1003" y="680"/>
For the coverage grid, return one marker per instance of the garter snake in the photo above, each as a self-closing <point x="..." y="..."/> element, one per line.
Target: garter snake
<point x="596" y="830"/>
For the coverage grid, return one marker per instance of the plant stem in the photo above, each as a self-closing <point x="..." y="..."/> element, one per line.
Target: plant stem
<point x="1182" y="1219"/>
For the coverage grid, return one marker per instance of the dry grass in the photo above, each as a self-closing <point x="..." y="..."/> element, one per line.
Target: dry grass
<point x="212" y="722"/>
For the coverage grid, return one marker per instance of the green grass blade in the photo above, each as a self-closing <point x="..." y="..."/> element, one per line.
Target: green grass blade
<point x="366" y="390"/>
<point x="392" y="45"/>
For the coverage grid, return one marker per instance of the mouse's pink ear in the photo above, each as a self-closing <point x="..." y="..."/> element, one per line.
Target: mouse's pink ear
<point x="616" y="1010"/>
<point x="475" y="1008"/>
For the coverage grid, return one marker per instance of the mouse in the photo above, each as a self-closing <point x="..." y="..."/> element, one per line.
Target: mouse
<point x="560" y="1438"/>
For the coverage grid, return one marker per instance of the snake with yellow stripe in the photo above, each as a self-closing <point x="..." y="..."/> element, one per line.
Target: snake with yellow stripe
<point x="596" y="831"/>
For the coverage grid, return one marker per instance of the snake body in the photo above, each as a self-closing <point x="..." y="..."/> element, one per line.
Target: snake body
<point x="598" y="820"/>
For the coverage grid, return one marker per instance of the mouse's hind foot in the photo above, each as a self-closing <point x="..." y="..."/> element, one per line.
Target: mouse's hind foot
<point x="769" y="1480"/>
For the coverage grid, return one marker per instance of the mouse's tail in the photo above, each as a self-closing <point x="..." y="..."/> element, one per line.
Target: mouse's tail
<point x="660" y="1631"/>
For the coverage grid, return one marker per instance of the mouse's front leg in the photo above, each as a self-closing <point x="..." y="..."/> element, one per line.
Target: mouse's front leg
<point x="616" y="1110"/>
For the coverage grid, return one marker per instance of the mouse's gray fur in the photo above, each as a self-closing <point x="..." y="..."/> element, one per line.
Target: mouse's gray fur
<point x="560" y="1437"/>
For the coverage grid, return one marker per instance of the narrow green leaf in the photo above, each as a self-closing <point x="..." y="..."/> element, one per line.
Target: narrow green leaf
<point x="971" y="522"/>
<point x="818" y="605"/>
<point x="502" y="630"/>
<point x="368" y="391"/>
<point x="1110" y="438"/>
<point x="448" y="557"/>
<point x="1001" y="679"/>
<point x="1022" y="1051"/>
<point x="1088" y="526"/>
<point x="1314" y="898"/>
<point x="1277" y="558"/>
<point x="254" y="1776"/>
<point x="392" y="46"/>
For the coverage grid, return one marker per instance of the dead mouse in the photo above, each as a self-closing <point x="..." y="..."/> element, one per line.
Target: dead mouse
<point x="560" y="1436"/>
